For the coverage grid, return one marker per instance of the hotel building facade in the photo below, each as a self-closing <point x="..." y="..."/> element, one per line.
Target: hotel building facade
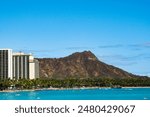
<point x="18" y="65"/>
<point x="5" y="63"/>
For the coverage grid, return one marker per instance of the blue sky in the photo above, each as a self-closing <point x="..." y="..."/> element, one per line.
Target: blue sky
<point x="116" y="31"/>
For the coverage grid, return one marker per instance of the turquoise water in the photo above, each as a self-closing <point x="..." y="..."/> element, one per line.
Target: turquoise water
<point x="80" y="94"/>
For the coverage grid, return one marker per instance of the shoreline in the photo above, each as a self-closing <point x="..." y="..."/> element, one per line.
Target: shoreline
<point x="76" y="88"/>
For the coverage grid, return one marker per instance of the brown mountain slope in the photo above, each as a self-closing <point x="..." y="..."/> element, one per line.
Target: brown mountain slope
<point x="83" y="65"/>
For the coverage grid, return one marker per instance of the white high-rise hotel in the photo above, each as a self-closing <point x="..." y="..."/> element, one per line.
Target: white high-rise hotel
<point x="18" y="65"/>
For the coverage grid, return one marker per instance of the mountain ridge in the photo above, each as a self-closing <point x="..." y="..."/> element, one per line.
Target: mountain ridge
<point x="82" y="65"/>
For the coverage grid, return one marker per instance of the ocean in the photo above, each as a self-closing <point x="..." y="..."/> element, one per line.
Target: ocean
<point x="80" y="94"/>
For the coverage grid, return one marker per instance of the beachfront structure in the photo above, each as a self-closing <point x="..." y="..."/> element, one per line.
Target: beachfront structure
<point x="21" y="66"/>
<point x="24" y="66"/>
<point x="5" y="63"/>
<point x="33" y="67"/>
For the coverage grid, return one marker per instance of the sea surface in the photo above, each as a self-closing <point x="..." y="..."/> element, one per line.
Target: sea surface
<point x="80" y="94"/>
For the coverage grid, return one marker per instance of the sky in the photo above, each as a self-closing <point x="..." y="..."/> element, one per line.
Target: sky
<point x="116" y="31"/>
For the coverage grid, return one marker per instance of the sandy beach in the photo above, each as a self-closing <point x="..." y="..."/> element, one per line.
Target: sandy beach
<point x="75" y="88"/>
